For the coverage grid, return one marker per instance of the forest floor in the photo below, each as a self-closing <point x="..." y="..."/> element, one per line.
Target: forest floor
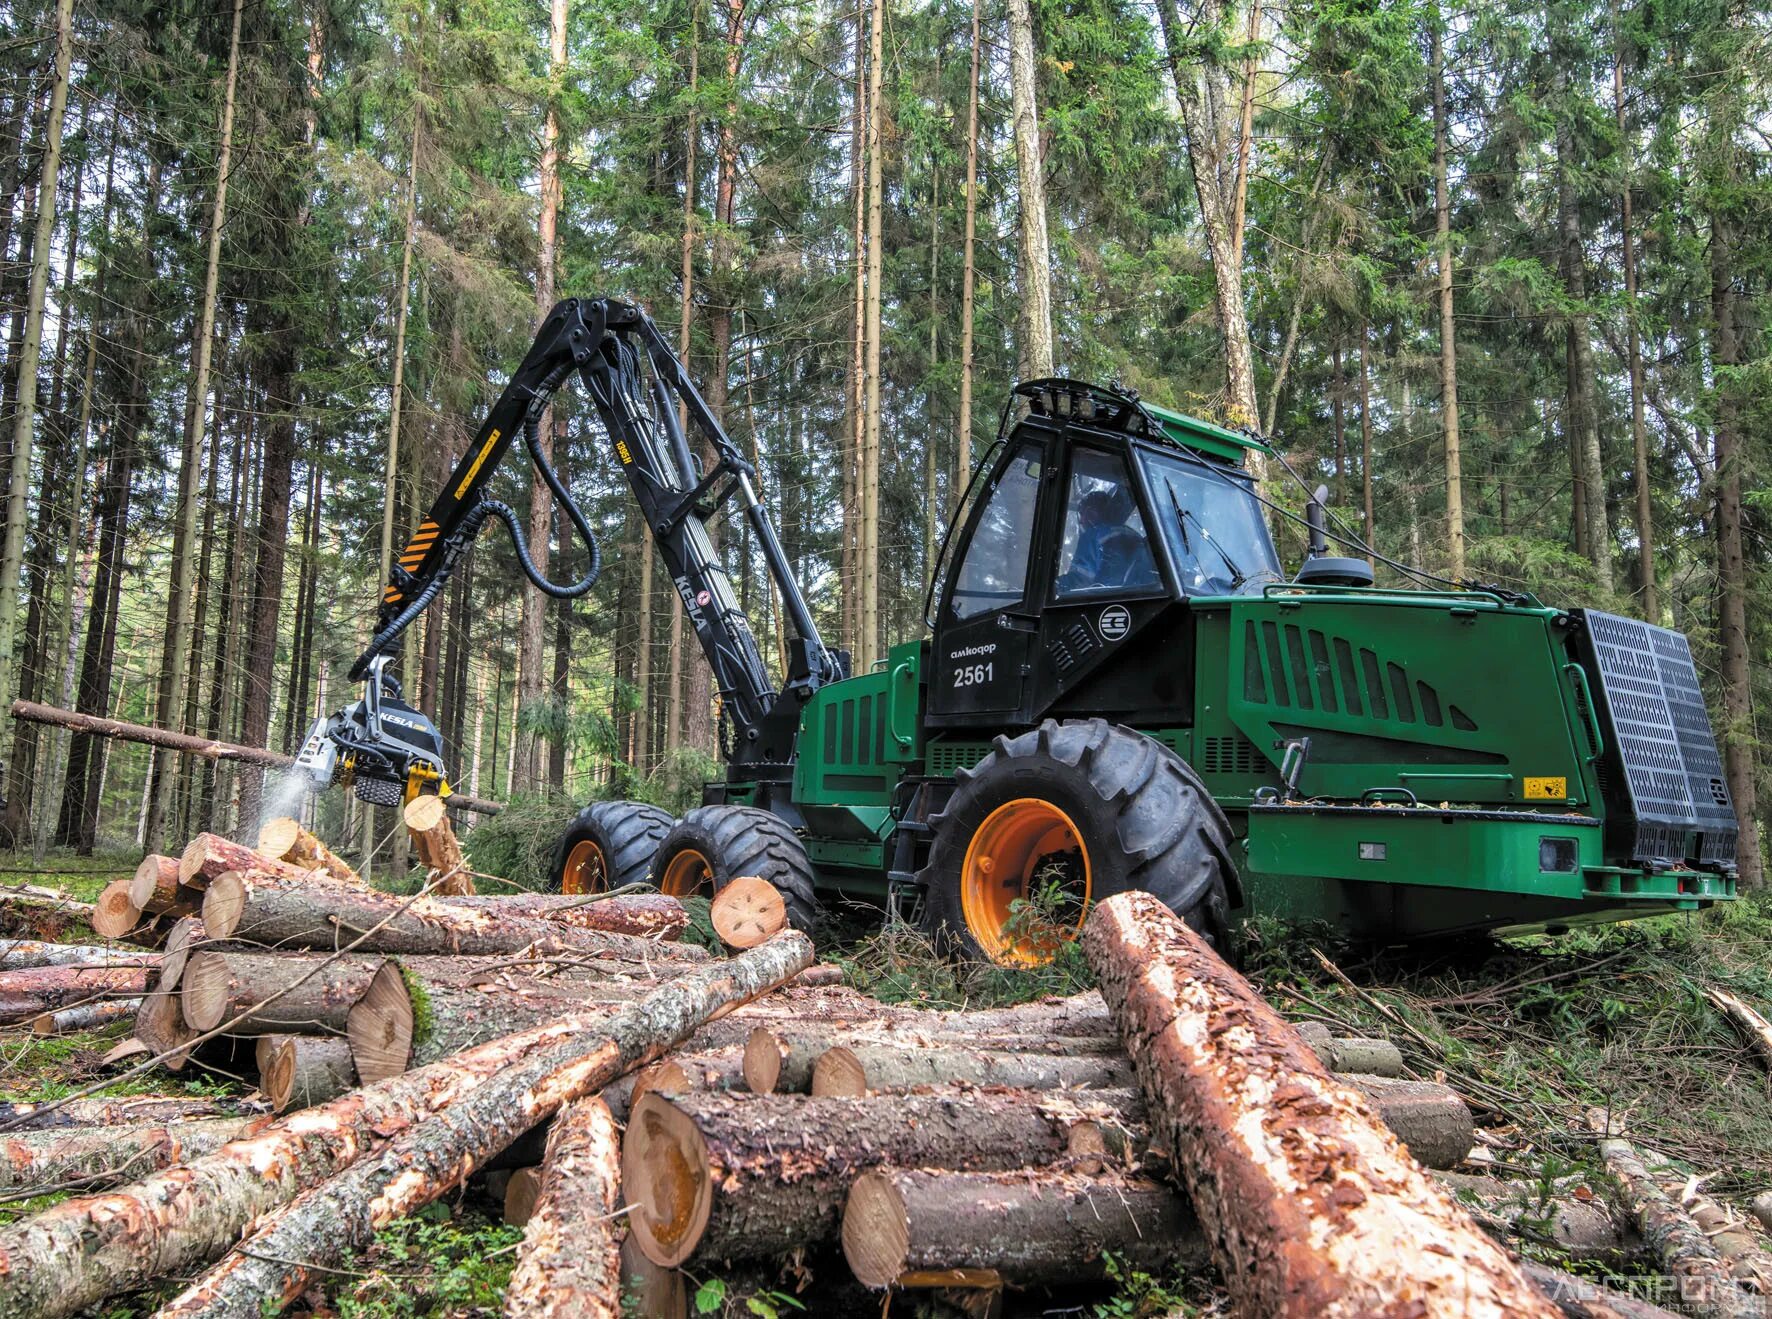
<point x="1532" y="1031"/>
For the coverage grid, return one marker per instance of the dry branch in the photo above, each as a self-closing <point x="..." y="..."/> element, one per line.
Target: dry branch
<point x="910" y="1228"/>
<point x="1311" y="1206"/>
<point x="1754" y="1028"/>
<point x="416" y="1167"/>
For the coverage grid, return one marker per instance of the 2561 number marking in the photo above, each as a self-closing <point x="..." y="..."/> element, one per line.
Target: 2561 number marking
<point x="972" y="675"/>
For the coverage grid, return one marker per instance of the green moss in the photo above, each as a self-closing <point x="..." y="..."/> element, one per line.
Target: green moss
<point x="423" y="1022"/>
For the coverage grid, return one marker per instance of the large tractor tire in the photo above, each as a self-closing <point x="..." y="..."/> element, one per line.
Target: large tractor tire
<point x="1059" y="818"/>
<point x="609" y="844"/>
<point x="714" y="845"/>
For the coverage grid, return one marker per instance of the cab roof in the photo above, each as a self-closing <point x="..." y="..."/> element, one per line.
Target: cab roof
<point x="1109" y="408"/>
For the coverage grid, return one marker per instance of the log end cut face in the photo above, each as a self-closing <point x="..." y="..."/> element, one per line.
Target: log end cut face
<point x="876" y="1231"/>
<point x="665" y="1173"/>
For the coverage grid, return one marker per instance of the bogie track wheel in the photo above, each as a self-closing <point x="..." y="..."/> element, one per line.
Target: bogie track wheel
<point x="607" y="845"/>
<point x="713" y="845"/>
<point x="1056" y="819"/>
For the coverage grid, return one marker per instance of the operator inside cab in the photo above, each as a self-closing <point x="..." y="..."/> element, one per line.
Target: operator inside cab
<point x="1105" y="548"/>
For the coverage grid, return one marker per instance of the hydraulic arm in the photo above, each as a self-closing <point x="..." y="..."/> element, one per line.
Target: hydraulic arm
<point x="637" y="386"/>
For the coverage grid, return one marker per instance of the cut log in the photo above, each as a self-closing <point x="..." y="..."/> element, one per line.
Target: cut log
<point x="115" y="915"/>
<point x="182" y="939"/>
<point x="209" y="856"/>
<point x="1365" y="1057"/>
<point x="299" y="1071"/>
<point x="814" y="977"/>
<point x="1430" y="1118"/>
<point x="284" y="839"/>
<point x="1309" y="1204"/>
<point x="1707" y="1287"/>
<point x="300" y="995"/>
<point x="1762" y="1209"/>
<point x="38" y="713"/>
<point x="521" y="1188"/>
<point x="856" y="1071"/>
<point x="727" y="1176"/>
<point x="155" y="887"/>
<point x="160" y="1024"/>
<point x="1754" y="1028"/>
<point x="291" y="917"/>
<point x="747" y="911"/>
<point x="1583" y="1298"/>
<point x="1029" y="1228"/>
<point x="1572" y="1218"/>
<point x="649" y="915"/>
<point x="32" y="992"/>
<point x="430" y="1157"/>
<point x="569" y="1265"/>
<point x="780" y="1059"/>
<point x="658" y="1292"/>
<point x="92" y="1157"/>
<point x="130" y="1110"/>
<point x="25" y="954"/>
<point x="88" y="1016"/>
<point x="433" y="838"/>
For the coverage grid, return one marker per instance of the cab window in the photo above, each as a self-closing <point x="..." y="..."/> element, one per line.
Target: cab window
<point x="994" y="573"/>
<point x="1104" y="548"/>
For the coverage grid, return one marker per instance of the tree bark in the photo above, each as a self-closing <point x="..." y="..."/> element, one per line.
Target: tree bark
<point x="921" y="1228"/>
<point x="1371" y="530"/>
<point x="95" y="1157"/>
<point x="569" y="1265"/>
<point x="208" y="857"/>
<point x="730" y="1176"/>
<point x="178" y="605"/>
<point x="284" y="839"/>
<point x="868" y="634"/>
<point x="1739" y="740"/>
<point x="127" y="1111"/>
<point x="656" y="916"/>
<point x="89" y="1016"/>
<point x="968" y="279"/>
<point x="299" y="1071"/>
<point x="1030" y="171"/>
<point x="430" y="1157"/>
<point x="1310" y="1207"/>
<point x="856" y="1071"/>
<point x="1448" y="325"/>
<point x="324" y="916"/>
<point x="30" y="993"/>
<point x="312" y="996"/>
<point x="12" y="548"/>
<point x="23" y="954"/>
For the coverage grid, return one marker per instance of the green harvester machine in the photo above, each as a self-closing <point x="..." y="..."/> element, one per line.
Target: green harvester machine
<point x="1121" y="687"/>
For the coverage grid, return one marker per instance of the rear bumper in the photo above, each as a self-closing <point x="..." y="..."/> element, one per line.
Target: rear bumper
<point x="1411" y="872"/>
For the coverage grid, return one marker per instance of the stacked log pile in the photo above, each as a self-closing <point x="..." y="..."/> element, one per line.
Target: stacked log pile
<point x="653" y="1113"/>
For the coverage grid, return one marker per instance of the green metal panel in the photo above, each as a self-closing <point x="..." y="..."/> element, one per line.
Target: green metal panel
<point x="944" y="758"/>
<point x="843" y="732"/>
<point x="1456" y="698"/>
<point x="904" y="703"/>
<point x="1203" y="436"/>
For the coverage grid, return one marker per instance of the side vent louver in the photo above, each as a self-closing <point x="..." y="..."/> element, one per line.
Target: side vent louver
<point x="1287" y="665"/>
<point x="1230" y="755"/>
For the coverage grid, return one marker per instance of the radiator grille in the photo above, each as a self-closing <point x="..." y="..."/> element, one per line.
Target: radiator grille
<point x="1231" y="755"/>
<point x="946" y="757"/>
<point x="1673" y="776"/>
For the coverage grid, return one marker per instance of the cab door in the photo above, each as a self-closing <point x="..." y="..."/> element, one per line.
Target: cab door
<point x="990" y="619"/>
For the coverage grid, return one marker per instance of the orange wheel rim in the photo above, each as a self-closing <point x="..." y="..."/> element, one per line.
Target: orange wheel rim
<point x="686" y="874"/>
<point x="1025" y="847"/>
<point x="586" y="871"/>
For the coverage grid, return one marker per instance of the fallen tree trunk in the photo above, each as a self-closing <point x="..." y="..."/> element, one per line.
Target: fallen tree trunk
<point x="649" y="915"/>
<point x="430" y="1157"/>
<point x="284" y="839"/>
<point x="1580" y="1224"/>
<point x="208" y="857"/>
<point x="155" y="888"/>
<point x="1707" y="1286"/>
<point x="779" y="1059"/>
<point x="1310" y="1206"/>
<point x="726" y="1176"/>
<point x="433" y="838"/>
<point x="1754" y="1028"/>
<point x="1364" y="1057"/>
<point x="1028" y="1228"/>
<point x="89" y="1016"/>
<point x="73" y="1255"/>
<point x="1582" y="1298"/>
<point x="299" y="1071"/>
<point x="844" y="1071"/>
<point x="312" y="995"/>
<point x="105" y="1156"/>
<point x="37" y="713"/>
<point x="569" y="1264"/>
<point x="291" y="917"/>
<point x="39" y="989"/>
<point x="36" y="895"/>
<point x="27" y="954"/>
<point x="131" y="1110"/>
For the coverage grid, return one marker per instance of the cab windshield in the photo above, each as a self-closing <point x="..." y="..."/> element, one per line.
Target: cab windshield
<point x="1212" y="523"/>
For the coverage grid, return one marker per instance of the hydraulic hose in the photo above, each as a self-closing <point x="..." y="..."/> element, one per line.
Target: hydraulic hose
<point x="476" y="518"/>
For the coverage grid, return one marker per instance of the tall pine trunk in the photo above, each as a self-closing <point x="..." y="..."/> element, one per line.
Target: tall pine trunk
<point x="868" y="633"/>
<point x="176" y="653"/>
<point x="1639" y="432"/>
<point x="1030" y="172"/>
<point x="1448" y="338"/>
<point x="968" y="278"/>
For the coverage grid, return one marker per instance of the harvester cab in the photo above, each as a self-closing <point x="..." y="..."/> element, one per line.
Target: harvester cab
<point x="1121" y="687"/>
